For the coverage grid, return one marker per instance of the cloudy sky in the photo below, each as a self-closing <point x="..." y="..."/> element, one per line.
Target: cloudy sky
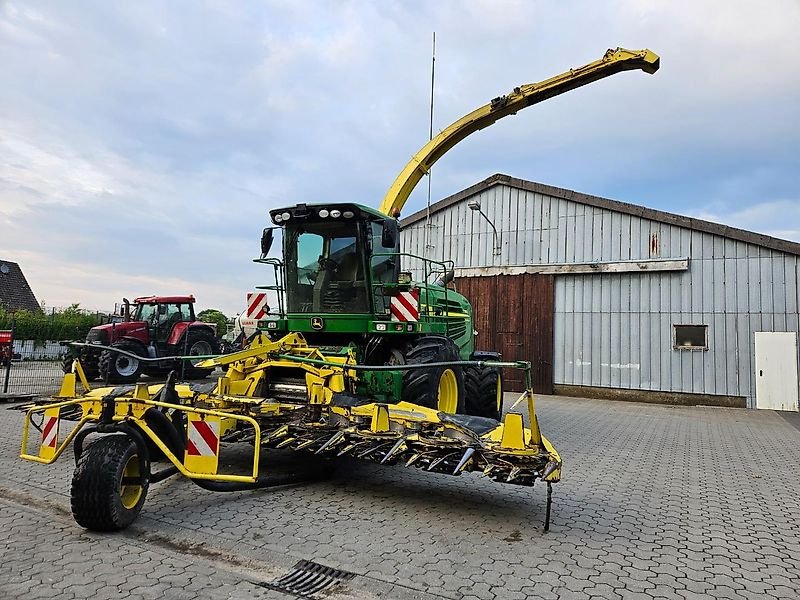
<point x="142" y="143"/>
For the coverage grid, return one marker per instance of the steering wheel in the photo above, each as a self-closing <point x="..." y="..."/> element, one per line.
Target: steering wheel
<point x="328" y="264"/>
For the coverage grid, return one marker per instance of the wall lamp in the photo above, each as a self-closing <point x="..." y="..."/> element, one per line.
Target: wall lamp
<point x="475" y="205"/>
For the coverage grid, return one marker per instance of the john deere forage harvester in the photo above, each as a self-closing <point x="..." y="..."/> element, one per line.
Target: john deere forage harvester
<point x="357" y="361"/>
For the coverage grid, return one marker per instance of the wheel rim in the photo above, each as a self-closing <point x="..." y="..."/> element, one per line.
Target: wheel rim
<point x="129" y="494"/>
<point x="200" y="348"/>
<point x="126" y="366"/>
<point x="447" y="398"/>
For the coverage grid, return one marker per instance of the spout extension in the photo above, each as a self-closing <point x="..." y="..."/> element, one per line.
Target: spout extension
<point x="613" y="61"/>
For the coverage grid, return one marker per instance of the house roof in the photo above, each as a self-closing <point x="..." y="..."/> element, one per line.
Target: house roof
<point x="15" y="293"/>
<point x="742" y="235"/>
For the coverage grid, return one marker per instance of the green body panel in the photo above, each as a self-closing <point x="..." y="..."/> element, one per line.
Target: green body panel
<point x="384" y="386"/>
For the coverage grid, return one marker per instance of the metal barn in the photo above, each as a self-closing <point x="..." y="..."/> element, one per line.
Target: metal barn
<point x="616" y="300"/>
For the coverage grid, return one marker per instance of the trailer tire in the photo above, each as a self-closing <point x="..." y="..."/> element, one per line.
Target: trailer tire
<point x="119" y="368"/>
<point x="89" y="362"/>
<point x="66" y="362"/>
<point x="199" y="342"/>
<point x="439" y="388"/>
<point x="484" y="392"/>
<point x="100" y="499"/>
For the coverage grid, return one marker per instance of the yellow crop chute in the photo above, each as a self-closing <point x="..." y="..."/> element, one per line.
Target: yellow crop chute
<point x="614" y="61"/>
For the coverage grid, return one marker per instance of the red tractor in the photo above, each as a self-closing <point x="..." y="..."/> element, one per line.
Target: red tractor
<point x="157" y="327"/>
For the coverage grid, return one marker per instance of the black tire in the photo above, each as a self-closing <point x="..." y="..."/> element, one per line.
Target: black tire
<point x="66" y="362"/>
<point x="89" y="363"/>
<point x="421" y="386"/>
<point x="119" y="368"/>
<point x="484" y="392"/>
<point x="100" y="501"/>
<point x="198" y="342"/>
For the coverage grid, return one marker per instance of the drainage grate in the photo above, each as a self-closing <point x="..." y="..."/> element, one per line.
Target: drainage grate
<point x="307" y="579"/>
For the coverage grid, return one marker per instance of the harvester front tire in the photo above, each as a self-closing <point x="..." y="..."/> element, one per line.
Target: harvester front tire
<point x="484" y="392"/>
<point x="439" y="388"/>
<point x="198" y="343"/>
<point x="101" y="498"/>
<point x="119" y="368"/>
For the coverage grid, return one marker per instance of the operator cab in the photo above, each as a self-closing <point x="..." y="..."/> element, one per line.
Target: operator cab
<point x="335" y="256"/>
<point x="161" y="314"/>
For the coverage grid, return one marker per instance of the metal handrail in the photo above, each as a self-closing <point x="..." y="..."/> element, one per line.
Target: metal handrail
<point x="279" y="288"/>
<point x="427" y="271"/>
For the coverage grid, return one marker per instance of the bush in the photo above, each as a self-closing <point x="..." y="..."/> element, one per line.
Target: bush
<point x="70" y="323"/>
<point x="212" y="315"/>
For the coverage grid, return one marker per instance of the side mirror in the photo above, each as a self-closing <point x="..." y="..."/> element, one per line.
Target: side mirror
<point x="445" y="278"/>
<point x="266" y="241"/>
<point x="389" y="234"/>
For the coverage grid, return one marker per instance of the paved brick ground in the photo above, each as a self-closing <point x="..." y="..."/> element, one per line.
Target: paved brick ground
<point x="656" y="502"/>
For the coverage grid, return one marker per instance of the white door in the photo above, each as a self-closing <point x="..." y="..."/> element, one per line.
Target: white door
<point x="776" y="370"/>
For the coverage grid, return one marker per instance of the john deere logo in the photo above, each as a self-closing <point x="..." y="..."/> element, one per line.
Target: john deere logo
<point x="317" y="323"/>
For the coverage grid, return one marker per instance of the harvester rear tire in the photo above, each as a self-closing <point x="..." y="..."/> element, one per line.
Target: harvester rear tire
<point x="422" y="386"/>
<point x="198" y="343"/>
<point x="484" y="392"/>
<point x="100" y="500"/>
<point x="118" y="368"/>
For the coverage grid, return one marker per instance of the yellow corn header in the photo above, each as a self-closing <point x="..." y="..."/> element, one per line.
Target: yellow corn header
<point x="190" y="427"/>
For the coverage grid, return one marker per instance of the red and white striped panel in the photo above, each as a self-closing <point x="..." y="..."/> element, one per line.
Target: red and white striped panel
<point x="50" y="431"/>
<point x="405" y="306"/>
<point x="256" y="305"/>
<point x="203" y="438"/>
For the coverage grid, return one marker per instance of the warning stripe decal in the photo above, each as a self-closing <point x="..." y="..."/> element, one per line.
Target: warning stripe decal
<point x="405" y="306"/>
<point x="50" y="432"/>
<point x="256" y="305"/>
<point x="203" y="438"/>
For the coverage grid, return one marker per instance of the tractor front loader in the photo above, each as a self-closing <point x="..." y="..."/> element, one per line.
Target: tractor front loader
<point x="356" y="361"/>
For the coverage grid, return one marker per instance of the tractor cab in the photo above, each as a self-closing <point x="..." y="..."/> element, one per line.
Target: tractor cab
<point x="337" y="258"/>
<point x="162" y="313"/>
<point x="341" y="276"/>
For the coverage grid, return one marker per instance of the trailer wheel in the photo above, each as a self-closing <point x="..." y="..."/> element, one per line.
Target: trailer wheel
<point x="440" y="388"/>
<point x="120" y="368"/>
<point x="484" y="392"/>
<point x="108" y="488"/>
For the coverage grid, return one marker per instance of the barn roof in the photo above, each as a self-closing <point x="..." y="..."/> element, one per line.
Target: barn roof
<point x="15" y="293"/>
<point x="734" y="233"/>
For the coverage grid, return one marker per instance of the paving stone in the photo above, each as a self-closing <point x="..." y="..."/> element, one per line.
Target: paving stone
<point x="656" y="502"/>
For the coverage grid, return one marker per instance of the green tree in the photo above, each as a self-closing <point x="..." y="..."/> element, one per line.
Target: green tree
<point x="212" y="315"/>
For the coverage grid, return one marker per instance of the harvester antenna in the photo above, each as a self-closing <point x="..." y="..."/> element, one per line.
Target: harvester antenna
<point x="430" y="137"/>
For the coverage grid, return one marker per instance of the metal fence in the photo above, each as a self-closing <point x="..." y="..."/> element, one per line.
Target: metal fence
<point x="30" y="351"/>
<point x="38" y="377"/>
<point x="20" y="377"/>
<point x="36" y="366"/>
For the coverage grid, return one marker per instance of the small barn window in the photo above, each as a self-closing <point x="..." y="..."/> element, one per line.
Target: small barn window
<point x="690" y="337"/>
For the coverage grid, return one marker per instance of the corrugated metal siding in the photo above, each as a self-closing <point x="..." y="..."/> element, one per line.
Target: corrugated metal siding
<point x="616" y="330"/>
